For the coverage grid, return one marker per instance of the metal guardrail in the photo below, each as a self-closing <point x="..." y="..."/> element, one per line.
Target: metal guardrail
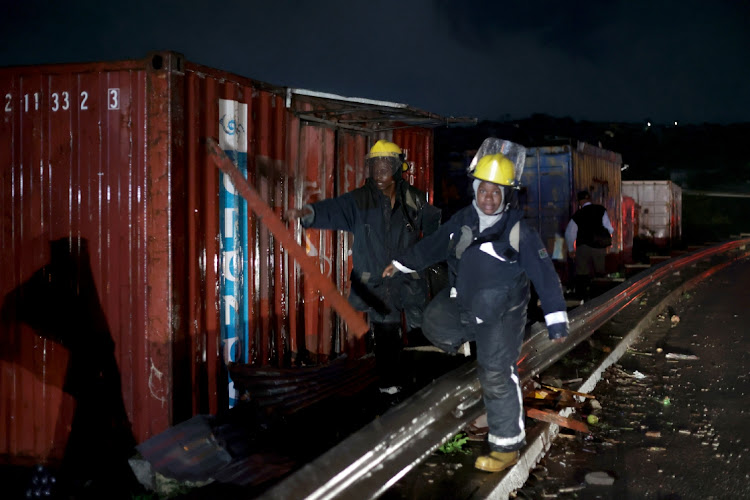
<point x="367" y="463"/>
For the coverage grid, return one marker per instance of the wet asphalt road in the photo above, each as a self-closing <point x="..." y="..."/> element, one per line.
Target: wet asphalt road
<point x="668" y="428"/>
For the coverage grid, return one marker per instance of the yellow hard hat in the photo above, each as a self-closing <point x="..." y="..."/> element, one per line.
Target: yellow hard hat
<point x="385" y="149"/>
<point x="496" y="169"/>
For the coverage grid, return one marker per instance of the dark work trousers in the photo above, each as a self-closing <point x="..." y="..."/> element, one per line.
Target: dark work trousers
<point x="498" y="348"/>
<point x="388" y="347"/>
<point x="590" y="263"/>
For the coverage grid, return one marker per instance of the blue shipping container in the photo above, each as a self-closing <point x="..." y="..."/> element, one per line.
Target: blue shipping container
<point x="551" y="178"/>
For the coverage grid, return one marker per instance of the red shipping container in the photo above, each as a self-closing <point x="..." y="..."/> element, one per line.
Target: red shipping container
<point x="111" y="243"/>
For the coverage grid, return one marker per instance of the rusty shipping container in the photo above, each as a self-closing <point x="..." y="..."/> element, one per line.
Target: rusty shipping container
<point x="552" y="177"/>
<point x="131" y="269"/>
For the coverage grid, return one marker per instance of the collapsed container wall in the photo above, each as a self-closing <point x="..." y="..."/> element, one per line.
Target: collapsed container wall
<point x="660" y="210"/>
<point x="104" y="173"/>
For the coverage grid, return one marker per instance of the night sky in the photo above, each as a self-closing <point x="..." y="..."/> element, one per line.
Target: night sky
<point x="684" y="60"/>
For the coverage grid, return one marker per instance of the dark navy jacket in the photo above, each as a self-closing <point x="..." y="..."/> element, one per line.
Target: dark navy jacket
<point x="380" y="233"/>
<point x="490" y="276"/>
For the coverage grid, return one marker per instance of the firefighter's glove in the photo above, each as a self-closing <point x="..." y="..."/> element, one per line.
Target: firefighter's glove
<point x="557" y="331"/>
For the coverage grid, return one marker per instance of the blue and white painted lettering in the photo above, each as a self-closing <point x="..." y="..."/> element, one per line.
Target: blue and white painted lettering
<point x="233" y="216"/>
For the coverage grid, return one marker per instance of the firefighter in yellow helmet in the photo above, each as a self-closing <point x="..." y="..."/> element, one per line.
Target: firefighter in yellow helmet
<point x="493" y="256"/>
<point x="387" y="216"/>
<point x="390" y="151"/>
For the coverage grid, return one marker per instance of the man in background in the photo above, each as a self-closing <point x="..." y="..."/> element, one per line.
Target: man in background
<point x="587" y="236"/>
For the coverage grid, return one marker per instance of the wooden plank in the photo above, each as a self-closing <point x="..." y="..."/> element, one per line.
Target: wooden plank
<point x="270" y="219"/>
<point x="554" y="418"/>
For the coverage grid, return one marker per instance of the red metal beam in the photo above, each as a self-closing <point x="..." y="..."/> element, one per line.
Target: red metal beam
<point x="268" y="217"/>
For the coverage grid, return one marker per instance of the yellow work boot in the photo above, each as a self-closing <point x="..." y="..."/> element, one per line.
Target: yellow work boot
<point x="496" y="461"/>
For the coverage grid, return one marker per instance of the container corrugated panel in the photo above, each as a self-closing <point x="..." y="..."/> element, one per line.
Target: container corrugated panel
<point x="547" y="187"/>
<point x="598" y="171"/>
<point x="676" y="209"/>
<point x="417" y="143"/>
<point x="554" y="174"/>
<point x="87" y="245"/>
<point x="629" y="227"/>
<point x="660" y="217"/>
<point x="105" y="176"/>
<point x="260" y="333"/>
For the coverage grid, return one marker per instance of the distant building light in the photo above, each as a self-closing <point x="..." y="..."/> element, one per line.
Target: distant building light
<point x="675" y="123"/>
<point x="648" y="124"/>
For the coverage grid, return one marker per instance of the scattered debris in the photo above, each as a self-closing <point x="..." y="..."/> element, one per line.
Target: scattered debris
<point x="675" y="320"/>
<point x="599" y="478"/>
<point x="592" y="419"/>
<point x="390" y="390"/>
<point x="540" y="472"/>
<point x="631" y="351"/>
<point x="623" y="373"/>
<point x="455" y="445"/>
<point x="571" y="489"/>
<point x="189" y="451"/>
<point x="573" y="381"/>
<point x="653" y="434"/>
<point x="475" y="433"/>
<point x="609" y="441"/>
<point x="569" y="392"/>
<point x="595" y="405"/>
<point x="638" y="375"/>
<point x="552" y="381"/>
<point x="555" y="418"/>
<point x="542" y="394"/>
<point x="682" y="357"/>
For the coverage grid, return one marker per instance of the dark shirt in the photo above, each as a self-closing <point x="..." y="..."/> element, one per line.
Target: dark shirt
<point x="380" y="233"/>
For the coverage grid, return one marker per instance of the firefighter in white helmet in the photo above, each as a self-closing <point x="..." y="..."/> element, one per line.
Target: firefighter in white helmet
<point x="492" y="256"/>
<point x="387" y="216"/>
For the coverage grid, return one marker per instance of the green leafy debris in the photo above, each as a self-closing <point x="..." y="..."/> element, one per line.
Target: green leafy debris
<point x="455" y="445"/>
